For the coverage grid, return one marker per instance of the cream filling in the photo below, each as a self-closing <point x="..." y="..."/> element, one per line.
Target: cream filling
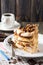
<point x="19" y="31"/>
<point x="27" y="34"/>
<point x="19" y="46"/>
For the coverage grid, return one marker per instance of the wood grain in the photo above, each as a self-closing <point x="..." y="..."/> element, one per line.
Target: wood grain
<point x="25" y="9"/>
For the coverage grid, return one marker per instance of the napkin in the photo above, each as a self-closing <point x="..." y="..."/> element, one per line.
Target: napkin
<point x="2" y="47"/>
<point x="4" y="50"/>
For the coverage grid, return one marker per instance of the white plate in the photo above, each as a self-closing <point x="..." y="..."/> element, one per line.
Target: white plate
<point x="16" y="25"/>
<point x="22" y="53"/>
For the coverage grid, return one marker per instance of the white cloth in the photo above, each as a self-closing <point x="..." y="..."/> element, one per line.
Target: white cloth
<point x="3" y="61"/>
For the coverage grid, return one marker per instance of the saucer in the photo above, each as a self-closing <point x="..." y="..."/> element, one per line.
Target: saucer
<point x="15" y="26"/>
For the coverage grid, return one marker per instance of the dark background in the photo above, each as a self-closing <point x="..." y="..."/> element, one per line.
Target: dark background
<point x="25" y="10"/>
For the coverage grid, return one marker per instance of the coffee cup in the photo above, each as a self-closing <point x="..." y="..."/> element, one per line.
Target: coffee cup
<point x="8" y="20"/>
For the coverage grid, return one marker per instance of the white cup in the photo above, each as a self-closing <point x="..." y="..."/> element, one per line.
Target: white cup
<point x="8" y="20"/>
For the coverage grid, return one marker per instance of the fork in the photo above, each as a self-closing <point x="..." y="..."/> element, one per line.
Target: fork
<point x="10" y="43"/>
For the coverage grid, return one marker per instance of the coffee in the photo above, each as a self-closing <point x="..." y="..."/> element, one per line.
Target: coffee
<point x="7" y="15"/>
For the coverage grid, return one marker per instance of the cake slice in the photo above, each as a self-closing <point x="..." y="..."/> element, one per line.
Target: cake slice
<point x="27" y="38"/>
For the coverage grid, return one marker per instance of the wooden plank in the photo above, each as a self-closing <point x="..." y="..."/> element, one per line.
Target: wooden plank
<point x="37" y="10"/>
<point x="33" y="9"/>
<point x="23" y="8"/>
<point x="7" y="6"/>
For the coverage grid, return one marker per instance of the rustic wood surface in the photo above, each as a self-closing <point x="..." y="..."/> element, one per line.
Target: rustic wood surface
<point x="28" y="10"/>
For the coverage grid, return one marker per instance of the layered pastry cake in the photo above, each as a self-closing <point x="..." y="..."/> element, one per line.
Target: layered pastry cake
<point x="26" y="38"/>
